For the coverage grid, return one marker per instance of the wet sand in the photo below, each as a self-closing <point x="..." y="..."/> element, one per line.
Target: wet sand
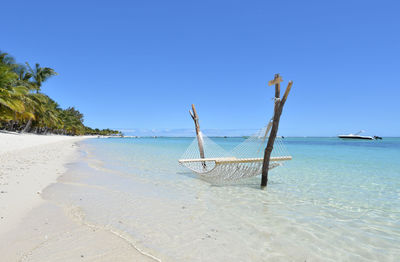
<point x="33" y="229"/>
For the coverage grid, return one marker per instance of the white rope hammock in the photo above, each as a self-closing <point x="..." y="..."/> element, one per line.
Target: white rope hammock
<point x="223" y="165"/>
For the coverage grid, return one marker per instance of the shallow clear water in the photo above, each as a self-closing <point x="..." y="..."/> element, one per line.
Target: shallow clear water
<point x="336" y="200"/>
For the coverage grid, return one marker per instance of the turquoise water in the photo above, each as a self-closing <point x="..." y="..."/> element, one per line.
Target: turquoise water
<point x="336" y="200"/>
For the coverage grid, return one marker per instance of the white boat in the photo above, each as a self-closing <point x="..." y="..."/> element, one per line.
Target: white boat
<point x="358" y="136"/>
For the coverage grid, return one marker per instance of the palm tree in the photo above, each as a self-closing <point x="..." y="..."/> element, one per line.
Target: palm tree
<point x="49" y="117"/>
<point x="40" y="75"/>
<point x="11" y="93"/>
<point x="22" y="102"/>
<point x="6" y="59"/>
<point x="23" y="74"/>
<point x="72" y="121"/>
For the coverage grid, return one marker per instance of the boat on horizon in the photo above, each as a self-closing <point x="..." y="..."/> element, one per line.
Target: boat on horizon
<point x="358" y="136"/>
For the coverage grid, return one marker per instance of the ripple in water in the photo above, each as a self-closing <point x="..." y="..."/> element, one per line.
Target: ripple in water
<point x="336" y="200"/>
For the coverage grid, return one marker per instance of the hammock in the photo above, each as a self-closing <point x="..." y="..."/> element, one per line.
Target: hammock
<point x="223" y="165"/>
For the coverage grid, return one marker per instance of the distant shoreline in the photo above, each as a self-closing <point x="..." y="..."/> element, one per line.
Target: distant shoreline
<point x="231" y="137"/>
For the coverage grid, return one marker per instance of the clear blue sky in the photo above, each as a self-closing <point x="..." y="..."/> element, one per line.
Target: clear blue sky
<point x="140" y="64"/>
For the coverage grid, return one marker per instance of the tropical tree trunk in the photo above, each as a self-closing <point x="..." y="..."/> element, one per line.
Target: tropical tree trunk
<point x="28" y="126"/>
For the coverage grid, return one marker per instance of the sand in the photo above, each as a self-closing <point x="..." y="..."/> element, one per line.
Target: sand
<point x="33" y="229"/>
<point x="29" y="163"/>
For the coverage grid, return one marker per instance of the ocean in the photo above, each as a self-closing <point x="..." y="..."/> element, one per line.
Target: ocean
<point x="337" y="200"/>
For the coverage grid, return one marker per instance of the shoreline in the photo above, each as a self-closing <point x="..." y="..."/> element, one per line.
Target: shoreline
<point x="37" y="229"/>
<point x="28" y="164"/>
<point x="96" y="213"/>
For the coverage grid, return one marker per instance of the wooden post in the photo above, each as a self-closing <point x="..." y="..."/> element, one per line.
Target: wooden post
<point x="279" y="103"/>
<point x="195" y="118"/>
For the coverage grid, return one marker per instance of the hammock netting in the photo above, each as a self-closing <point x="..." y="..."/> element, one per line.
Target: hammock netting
<point x="222" y="164"/>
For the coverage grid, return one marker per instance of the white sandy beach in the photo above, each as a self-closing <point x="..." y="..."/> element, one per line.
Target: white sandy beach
<point x="32" y="229"/>
<point x="29" y="163"/>
<point x="106" y="200"/>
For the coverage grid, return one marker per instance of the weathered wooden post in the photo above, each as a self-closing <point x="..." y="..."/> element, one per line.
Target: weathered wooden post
<point x="279" y="103"/>
<point x="195" y="118"/>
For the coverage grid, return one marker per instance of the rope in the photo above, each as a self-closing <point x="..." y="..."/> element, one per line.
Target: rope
<point x="225" y="171"/>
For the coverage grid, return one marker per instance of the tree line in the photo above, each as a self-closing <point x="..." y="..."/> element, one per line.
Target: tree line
<point x="24" y="108"/>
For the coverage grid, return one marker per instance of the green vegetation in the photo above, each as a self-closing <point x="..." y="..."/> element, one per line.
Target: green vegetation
<point x="24" y="108"/>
